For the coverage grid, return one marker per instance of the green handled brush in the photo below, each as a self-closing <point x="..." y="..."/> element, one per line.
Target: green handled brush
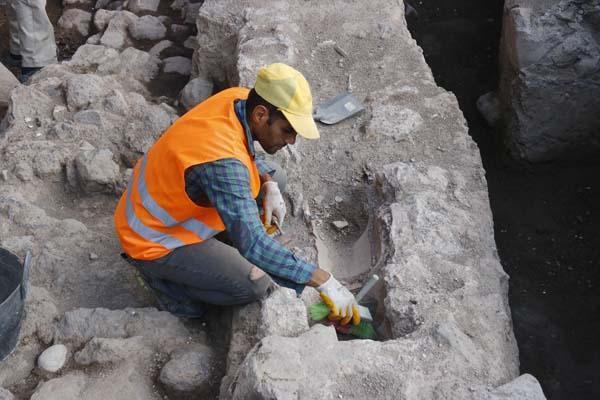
<point x="364" y="330"/>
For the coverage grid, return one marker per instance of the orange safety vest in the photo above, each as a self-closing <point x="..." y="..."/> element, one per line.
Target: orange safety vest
<point x="155" y="215"/>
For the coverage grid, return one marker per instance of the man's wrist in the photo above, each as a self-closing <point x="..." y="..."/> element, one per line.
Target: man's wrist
<point x="265" y="178"/>
<point x="319" y="277"/>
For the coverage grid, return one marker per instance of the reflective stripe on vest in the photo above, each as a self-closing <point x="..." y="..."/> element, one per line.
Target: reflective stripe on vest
<point x="193" y="225"/>
<point x="150" y="234"/>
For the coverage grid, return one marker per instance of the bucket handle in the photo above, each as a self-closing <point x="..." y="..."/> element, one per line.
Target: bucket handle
<point x="25" y="281"/>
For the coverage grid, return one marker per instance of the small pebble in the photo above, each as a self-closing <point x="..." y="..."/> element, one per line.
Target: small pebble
<point x="53" y="358"/>
<point x="93" y="256"/>
<point x="340" y="224"/>
<point x="338" y="199"/>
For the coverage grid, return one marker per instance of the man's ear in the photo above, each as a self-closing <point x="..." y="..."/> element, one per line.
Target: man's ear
<point x="260" y="114"/>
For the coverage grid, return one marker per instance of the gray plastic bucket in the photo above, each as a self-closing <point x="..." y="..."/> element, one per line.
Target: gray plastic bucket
<point x="13" y="289"/>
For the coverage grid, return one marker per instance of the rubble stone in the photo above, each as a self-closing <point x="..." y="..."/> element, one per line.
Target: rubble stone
<point x="18" y="366"/>
<point x="48" y="163"/>
<point x="68" y="387"/>
<point x="191" y="43"/>
<point x="525" y="387"/>
<point x="84" y="90"/>
<point x="133" y="63"/>
<point x="179" y="33"/>
<point x="78" y="3"/>
<point x="89" y="57"/>
<point x="147" y="28"/>
<point x="109" y="350"/>
<point x="97" y="171"/>
<point x="159" y="47"/>
<point x="40" y="310"/>
<point x="53" y="358"/>
<point x="178" y="65"/>
<point x="74" y="23"/>
<point x="161" y="329"/>
<point x="140" y="6"/>
<point x="115" y="35"/>
<point x="7" y="82"/>
<point x="195" y="92"/>
<point x="6" y="395"/>
<point x="102" y="18"/>
<point x="488" y="106"/>
<point x="23" y="171"/>
<point x="280" y="313"/>
<point x="189" y="370"/>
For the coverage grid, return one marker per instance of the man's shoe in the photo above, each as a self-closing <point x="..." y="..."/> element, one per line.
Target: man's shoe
<point x="27" y="72"/>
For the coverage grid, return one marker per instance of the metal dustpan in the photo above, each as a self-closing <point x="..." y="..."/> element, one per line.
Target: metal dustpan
<point x="338" y="108"/>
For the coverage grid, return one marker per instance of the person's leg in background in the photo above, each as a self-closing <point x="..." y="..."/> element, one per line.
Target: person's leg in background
<point x="14" y="56"/>
<point x="37" y="46"/>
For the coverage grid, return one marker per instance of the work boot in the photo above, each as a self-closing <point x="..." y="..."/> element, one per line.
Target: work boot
<point x="27" y="72"/>
<point x="12" y="60"/>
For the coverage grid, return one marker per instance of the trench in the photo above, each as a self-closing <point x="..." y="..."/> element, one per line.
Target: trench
<point x="545" y="216"/>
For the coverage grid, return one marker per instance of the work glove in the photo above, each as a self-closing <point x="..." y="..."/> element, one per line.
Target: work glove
<point x="273" y="204"/>
<point x="341" y="302"/>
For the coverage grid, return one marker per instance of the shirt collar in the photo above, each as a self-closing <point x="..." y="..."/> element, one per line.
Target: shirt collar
<point x="240" y="111"/>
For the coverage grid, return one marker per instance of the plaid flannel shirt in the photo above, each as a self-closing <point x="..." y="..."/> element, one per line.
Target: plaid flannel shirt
<point x="226" y="185"/>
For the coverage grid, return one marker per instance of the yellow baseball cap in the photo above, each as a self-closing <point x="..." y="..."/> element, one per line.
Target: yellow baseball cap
<point x="287" y="89"/>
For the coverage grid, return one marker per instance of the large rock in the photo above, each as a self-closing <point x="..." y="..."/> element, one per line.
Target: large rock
<point x="127" y="381"/>
<point x="549" y="79"/>
<point x="161" y="329"/>
<point x="280" y="313"/>
<point x="290" y="368"/>
<point x="97" y="171"/>
<point x="190" y="370"/>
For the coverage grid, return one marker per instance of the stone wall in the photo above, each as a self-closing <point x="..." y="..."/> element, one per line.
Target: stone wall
<point x="550" y="79"/>
<point x="408" y="166"/>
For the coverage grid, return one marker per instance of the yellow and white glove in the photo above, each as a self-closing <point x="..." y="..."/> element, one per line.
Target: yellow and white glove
<point x="340" y="301"/>
<point x="273" y="204"/>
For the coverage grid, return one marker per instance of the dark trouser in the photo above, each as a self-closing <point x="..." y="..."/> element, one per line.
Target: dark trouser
<point x="210" y="272"/>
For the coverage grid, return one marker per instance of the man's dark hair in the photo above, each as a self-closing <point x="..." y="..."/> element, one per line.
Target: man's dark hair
<point x="255" y="100"/>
